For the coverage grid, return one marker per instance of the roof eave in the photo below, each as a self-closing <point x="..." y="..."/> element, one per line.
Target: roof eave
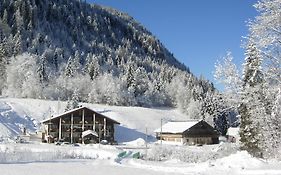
<point x="73" y="110"/>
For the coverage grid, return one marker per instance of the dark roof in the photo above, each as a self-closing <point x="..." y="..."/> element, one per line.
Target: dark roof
<point x="190" y="128"/>
<point x="202" y="128"/>
<point x="77" y="109"/>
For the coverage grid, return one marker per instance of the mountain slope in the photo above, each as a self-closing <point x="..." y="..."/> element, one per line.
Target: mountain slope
<point x="69" y="25"/>
<point x="18" y="113"/>
<point x="68" y="49"/>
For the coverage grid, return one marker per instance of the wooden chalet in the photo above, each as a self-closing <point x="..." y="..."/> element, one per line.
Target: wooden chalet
<point x="80" y="125"/>
<point x="192" y="132"/>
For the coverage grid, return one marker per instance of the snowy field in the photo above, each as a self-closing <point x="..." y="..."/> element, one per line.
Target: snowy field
<point x="36" y="159"/>
<point x="39" y="158"/>
<point x="16" y="113"/>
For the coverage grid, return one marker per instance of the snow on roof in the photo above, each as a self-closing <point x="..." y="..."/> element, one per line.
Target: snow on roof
<point x="88" y="132"/>
<point x="177" y="126"/>
<point x="232" y="131"/>
<point x="66" y="112"/>
<point x="73" y="110"/>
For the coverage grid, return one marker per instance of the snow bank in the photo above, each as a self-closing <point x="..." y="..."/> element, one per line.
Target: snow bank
<point x="234" y="164"/>
<point x="137" y="143"/>
<point x="240" y="160"/>
<point x="15" y="153"/>
<point x="238" y="163"/>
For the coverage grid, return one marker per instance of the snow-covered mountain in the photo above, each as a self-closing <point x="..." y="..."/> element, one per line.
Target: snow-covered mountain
<point x="18" y="113"/>
<point x="55" y="48"/>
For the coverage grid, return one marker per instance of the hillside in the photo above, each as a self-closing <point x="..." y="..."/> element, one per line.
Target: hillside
<point x="18" y="113"/>
<point x="56" y="49"/>
<point x="37" y="158"/>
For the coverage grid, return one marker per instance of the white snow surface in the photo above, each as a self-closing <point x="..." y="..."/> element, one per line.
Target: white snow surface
<point x="39" y="158"/>
<point x="137" y="143"/>
<point x="233" y="131"/>
<point x="177" y="126"/>
<point x="34" y="159"/>
<point x="17" y="113"/>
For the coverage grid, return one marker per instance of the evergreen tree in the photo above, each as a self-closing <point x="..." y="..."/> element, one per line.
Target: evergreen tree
<point x="252" y="73"/>
<point x="87" y="63"/>
<point x="68" y="72"/>
<point x="3" y="74"/>
<point x="129" y="76"/>
<point x="252" y="110"/>
<point x="248" y="132"/>
<point x="43" y="77"/>
<point x="215" y="109"/>
<point x="94" y="68"/>
<point x="73" y="102"/>
<point x="73" y="66"/>
<point x="273" y="129"/>
<point x="68" y="105"/>
<point x="140" y="82"/>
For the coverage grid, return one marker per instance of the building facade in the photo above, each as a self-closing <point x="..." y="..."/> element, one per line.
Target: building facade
<point x="80" y="125"/>
<point x="192" y="132"/>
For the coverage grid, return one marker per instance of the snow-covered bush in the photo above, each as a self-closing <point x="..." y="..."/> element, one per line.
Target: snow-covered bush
<point x="159" y="153"/>
<point x="191" y="154"/>
<point x="14" y="153"/>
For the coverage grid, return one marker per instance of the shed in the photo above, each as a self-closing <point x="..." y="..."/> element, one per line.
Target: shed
<point x="232" y="134"/>
<point x="192" y="132"/>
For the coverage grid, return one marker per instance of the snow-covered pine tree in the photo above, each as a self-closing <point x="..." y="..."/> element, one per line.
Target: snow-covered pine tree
<point x="252" y="73"/>
<point x="94" y="68"/>
<point x="68" y="105"/>
<point x="88" y="60"/>
<point x="129" y="75"/>
<point x="73" y="66"/>
<point x="73" y="102"/>
<point x="140" y="82"/>
<point x="248" y="134"/>
<point x="3" y="63"/>
<point x="68" y="72"/>
<point x="252" y="109"/>
<point x="41" y="71"/>
<point x="3" y="74"/>
<point x="275" y="125"/>
<point x="215" y="110"/>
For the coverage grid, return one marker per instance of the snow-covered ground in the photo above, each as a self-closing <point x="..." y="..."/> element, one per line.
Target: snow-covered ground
<point x="39" y="158"/>
<point x="17" y="113"/>
<point x="33" y="159"/>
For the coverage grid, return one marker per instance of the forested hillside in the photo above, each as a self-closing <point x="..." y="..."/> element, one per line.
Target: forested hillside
<point x="53" y="49"/>
<point x="68" y="49"/>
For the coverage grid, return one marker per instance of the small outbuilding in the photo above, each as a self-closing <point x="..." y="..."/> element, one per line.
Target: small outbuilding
<point x="232" y="134"/>
<point x="80" y="125"/>
<point x="193" y="132"/>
